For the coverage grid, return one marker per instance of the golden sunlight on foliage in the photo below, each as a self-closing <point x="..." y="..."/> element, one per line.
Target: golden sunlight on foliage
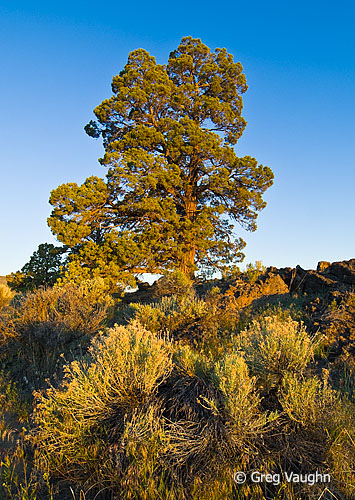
<point x="6" y="295"/>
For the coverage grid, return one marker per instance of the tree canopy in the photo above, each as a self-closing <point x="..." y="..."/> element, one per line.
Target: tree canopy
<point x="44" y="268"/>
<point x="175" y="188"/>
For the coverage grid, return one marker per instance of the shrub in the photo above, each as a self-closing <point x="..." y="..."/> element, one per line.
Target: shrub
<point x="317" y="433"/>
<point x="253" y="271"/>
<point x="193" y="362"/>
<point x="6" y="295"/>
<point x="307" y="401"/>
<point x="340" y="326"/>
<point x="174" y="283"/>
<point x="187" y="318"/>
<point x="246" y="422"/>
<point x="275" y="346"/>
<point x="82" y="424"/>
<point x="12" y="400"/>
<point x="341" y="452"/>
<point x="140" y="417"/>
<point x="73" y="307"/>
<point x="48" y="323"/>
<point x="130" y="421"/>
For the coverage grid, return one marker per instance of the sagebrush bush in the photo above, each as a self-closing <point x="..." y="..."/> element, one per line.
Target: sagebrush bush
<point x="231" y="376"/>
<point x="187" y="318"/>
<point x="130" y="420"/>
<point x="312" y="423"/>
<point x="51" y="322"/>
<point x="174" y="283"/>
<point x="340" y="326"/>
<point x="93" y="408"/>
<point x="341" y="452"/>
<point x="193" y="362"/>
<point x="142" y="416"/>
<point x="307" y="401"/>
<point x="73" y="307"/>
<point x="274" y="346"/>
<point x="6" y="295"/>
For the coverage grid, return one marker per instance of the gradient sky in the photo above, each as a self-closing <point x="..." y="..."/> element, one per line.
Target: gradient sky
<point x="57" y="62"/>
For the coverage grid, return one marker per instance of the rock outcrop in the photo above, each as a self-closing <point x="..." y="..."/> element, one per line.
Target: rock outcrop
<point x="328" y="279"/>
<point x="267" y="285"/>
<point x="338" y="276"/>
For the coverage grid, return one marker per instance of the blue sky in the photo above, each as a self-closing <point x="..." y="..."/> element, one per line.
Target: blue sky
<point x="57" y="62"/>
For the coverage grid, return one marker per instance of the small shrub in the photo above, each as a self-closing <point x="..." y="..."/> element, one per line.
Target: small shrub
<point x="253" y="271"/>
<point x="175" y="283"/>
<point x="306" y="400"/>
<point x="12" y="400"/>
<point x="189" y="318"/>
<point x="73" y="307"/>
<point x="340" y="326"/>
<point x="231" y="376"/>
<point x="49" y="325"/>
<point x="131" y="422"/>
<point x="143" y="443"/>
<point x="318" y="432"/>
<point x="6" y="295"/>
<point x="275" y="346"/>
<point x="341" y="453"/>
<point x="193" y="362"/>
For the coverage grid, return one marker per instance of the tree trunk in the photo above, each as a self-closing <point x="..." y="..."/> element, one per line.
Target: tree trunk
<point x="188" y="262"/>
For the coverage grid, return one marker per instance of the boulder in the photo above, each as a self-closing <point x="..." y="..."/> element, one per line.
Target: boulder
<point x="343" y="272"/>
<point x="314" y="283"/>
<point x="267" y="285"/>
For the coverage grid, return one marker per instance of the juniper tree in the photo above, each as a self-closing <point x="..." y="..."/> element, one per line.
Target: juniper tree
<point x="175" y="188"/>
<point x="43" y="269"/>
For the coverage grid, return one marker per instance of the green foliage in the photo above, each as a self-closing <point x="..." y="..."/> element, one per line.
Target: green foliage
<point x="140" y="416"/>
<point x="97" y="405"/>
<point x="175" y="283"/>
<point x="275" y="346"/>
<point x="231" y="376"/>
<point x="12" y="400"/>
<point x="187" y="318"/>
<point x="340" y="330"/>
<point x="16" y="486"/>
<point x="193" y="362"/>
<point x="144" y="418"/>
<point x="105" y="427"/>
<point x="48" y="323"/>
<point x="80" y="307"/>
<point x="175" y="188"/>
<point x="43" y="268"/>
<point x="306" y="400"/>
<point x="253" y="271"/>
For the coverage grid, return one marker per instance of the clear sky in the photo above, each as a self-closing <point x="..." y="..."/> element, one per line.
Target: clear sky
<point x="57" y="62"/>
